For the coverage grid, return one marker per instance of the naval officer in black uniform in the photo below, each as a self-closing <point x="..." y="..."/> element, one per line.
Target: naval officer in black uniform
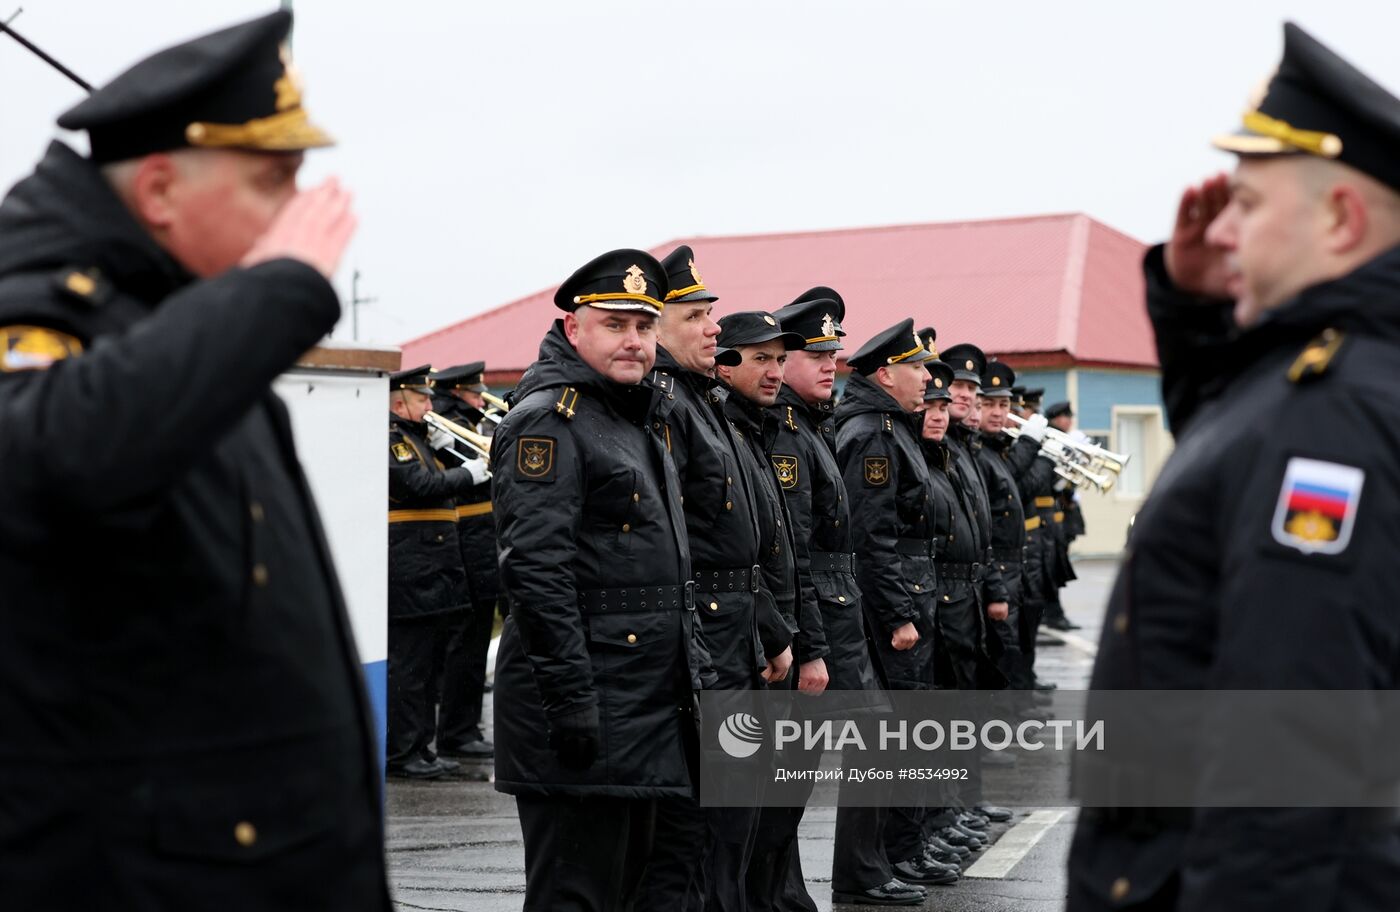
<point x="1262" y="558"/>
<point x="185" y="719"/>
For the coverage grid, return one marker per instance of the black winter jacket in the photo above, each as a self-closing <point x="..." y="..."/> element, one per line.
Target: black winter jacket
<point x="476" y="530"/>
<point x="740" y="628"/>
<point x="176" y="655"/>
<point x="804" y="458"/>
<point x="882" y="464"/>
<point x="1233" y="579"/>
<point x="426" y="574"/>
<point x="595" y="562"/>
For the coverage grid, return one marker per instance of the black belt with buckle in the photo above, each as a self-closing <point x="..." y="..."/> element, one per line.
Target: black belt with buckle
<point x="735" y="579"/>
<point x="915" y="547"/>
<point x="972" y="573"/>
<point x="833" y="562"/>
<point x="638" y="598"/>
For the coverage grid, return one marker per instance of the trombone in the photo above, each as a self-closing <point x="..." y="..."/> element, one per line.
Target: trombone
<point x="479" y="444"/>
<point x="496" y="408"/>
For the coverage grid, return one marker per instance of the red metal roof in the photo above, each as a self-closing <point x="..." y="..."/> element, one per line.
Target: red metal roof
<point x="1024" y="286"/>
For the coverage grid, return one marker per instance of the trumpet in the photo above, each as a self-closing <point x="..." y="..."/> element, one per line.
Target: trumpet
<point x="1078" y="461"/>
<point x="496" y="408"/>
<point x="477" y="443"/>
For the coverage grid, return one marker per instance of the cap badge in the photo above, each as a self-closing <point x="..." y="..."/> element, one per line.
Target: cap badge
<point x="938" y="382"/>
<point x="695" y="274"/>
<point x="918" y="342"/>
<point x="634" y="282"/>
<point x="971" y="365"/>
<point x="288" y="85"/>
<point x="828" y="325"/>
<point x="996" y="381"/>
<point x="769" y="320"/>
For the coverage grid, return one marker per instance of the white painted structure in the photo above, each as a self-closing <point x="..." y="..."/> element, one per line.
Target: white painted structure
<point x="339" y="402"/>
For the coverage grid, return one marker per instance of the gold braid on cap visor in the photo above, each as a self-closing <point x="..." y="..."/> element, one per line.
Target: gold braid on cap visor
<point x="287" y="131"/>
<point x="909" y="354"/>
<point x="618" y="296"/>
<point x="681" y="292"/>
<point x="1326" y="145"/>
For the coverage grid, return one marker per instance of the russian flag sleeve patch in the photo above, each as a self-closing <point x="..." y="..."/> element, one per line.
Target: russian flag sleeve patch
<point x="1317" y="506"/>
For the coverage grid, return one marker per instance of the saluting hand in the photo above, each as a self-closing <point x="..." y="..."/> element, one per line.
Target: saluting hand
<point x="315" y="226"/>
<point x="1195" y="265"/>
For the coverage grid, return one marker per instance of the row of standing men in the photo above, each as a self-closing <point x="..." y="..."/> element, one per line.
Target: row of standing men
<point x="443" y="584"/>
<point x="680" y="504"/>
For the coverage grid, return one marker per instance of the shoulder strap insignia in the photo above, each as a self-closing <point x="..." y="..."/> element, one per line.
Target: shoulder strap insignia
<point x="662" y="381"/>
<point x="888" y="424"/>
<point x="34" y="347"/>
<point x="86" y="285"/>
<point x="1313" y="361"/>
<point x="568" y="403"/>
<point x="791" y="424"/>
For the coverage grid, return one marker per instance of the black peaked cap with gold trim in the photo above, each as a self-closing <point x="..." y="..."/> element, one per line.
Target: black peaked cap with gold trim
<point x="418" y="379"/>
<point x="897" y="345"/>
<point x="618" y="280"/>
<point x="683" y="278"/>
<point x="816" y="319"/>
<point x="1318" y="104"/>
<point x="752" y="327"/>
<point x="235" y="88"/>
<point x="967" y="361"/>
<point x="940" y="384"/>
<point x="461" y="376"/>
<point x="998" y="380"/>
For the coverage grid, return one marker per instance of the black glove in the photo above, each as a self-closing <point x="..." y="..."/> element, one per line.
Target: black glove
<point x="574" y="737"/>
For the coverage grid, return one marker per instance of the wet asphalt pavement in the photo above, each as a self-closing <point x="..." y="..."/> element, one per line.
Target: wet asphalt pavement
<point x="454" y="844"/>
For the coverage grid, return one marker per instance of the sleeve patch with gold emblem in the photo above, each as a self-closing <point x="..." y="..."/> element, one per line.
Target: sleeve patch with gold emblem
<point x="1316" y="509"/>
<point x="877" y="471"/>
<point x="402" y="452"/>
<point x="786" y="467"/>
<point x="34" y="348"/>
<point x="534" y="458"/>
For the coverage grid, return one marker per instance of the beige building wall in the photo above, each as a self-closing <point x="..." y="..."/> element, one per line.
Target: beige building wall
<point x="1139" y="430"/>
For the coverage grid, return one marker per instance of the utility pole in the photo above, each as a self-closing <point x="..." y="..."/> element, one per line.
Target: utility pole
<point x="355" y="302"/>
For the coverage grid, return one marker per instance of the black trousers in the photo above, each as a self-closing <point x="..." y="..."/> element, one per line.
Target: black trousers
<point x="672" y="880"/>
<point x="775" y="881"/>
<point x="1032" y="611"/>
<point x="464" y="676"/>
<point x="1004" y="638"/>
<point x="583" y="854"/>
<point x="860" y="861"/>
<point x="413" y="646"/>
<point x="901" y="826"/>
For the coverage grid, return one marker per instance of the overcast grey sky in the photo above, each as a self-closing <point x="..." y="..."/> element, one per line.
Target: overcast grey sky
<point x="494" y="147"/>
